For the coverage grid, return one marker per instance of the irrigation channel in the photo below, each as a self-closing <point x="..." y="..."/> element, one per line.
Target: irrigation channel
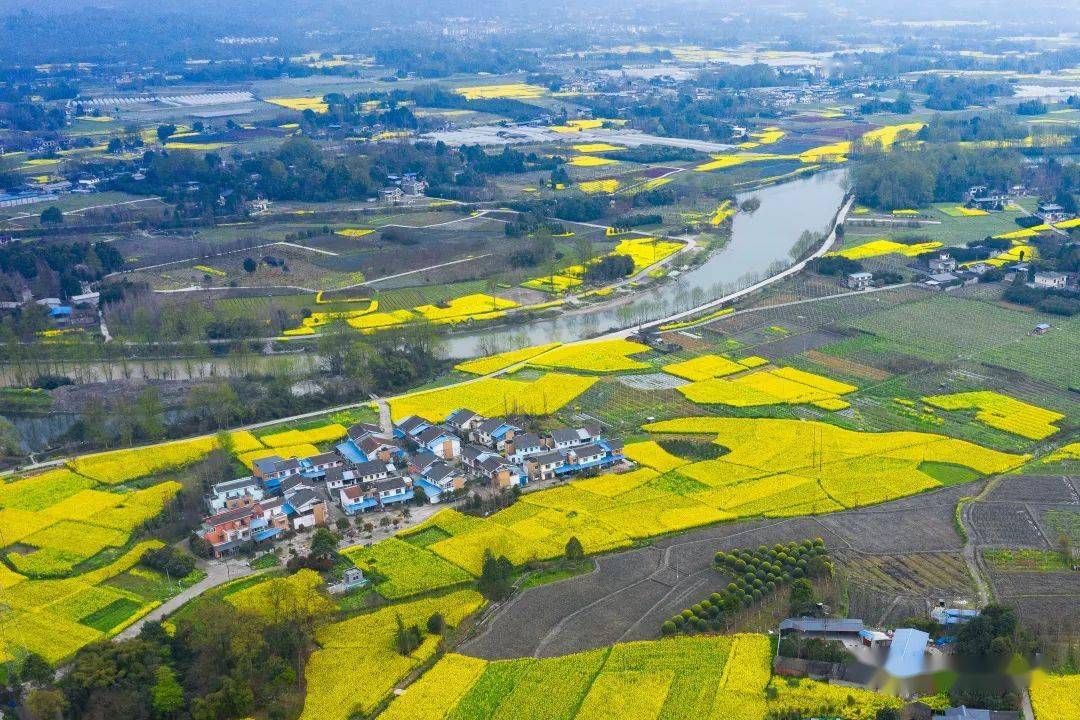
<point x="760" y="245"/>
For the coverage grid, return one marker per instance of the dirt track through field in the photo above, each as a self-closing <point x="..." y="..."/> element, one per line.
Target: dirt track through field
<point x="631" y="593"/>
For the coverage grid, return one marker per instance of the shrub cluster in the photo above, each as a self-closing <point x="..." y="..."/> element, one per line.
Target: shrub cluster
<point x="755" y="575"/>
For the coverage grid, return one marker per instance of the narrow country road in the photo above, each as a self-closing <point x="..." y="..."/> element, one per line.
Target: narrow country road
<point x="217" y="573"/>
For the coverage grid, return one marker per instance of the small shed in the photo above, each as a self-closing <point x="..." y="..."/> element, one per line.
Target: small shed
<point x="824" y="626"/>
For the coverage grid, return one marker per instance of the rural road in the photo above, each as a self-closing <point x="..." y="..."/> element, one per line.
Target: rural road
<point x="217" y="573"/>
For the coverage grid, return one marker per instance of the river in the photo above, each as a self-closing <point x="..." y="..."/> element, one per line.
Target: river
<point x="760" y="243"/>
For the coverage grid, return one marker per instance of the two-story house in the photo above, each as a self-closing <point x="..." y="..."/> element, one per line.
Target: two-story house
<point x="523" y="445"/>
<point x="572" y="437"/>
<point x="380" y="493"/>
<point x="357" y="473"/>
<point x="500" y="472"/>
<point x="273" y="469"/>
<point x="495" y="433"/>
<point x="231" y="530"/>
<point x="463" y="421"/>
<point x="421" y="461"/>
<point x="305" y="508"/>
<point x="440" y="441"/>
<point x="317" y="465"/>
<point x="234" y="493"/>
<point x="545" y="466"/>
<point x="411" y="426"/>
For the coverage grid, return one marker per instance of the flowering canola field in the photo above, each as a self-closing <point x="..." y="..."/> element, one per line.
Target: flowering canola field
<point x="767" y="387"/>
<point x="590" y="161"/>
<point x="705" y="367"/>
<point x="601" y="356"/>
<point x="315" y="104"/>
<point x="362" y="647"/>
<point x="508" y="91"/>
<point x="408" y="569"/>
<point x="599" y="186"/>
<point x="886" y="137"/>
<point x="1054" y="697"/>
<point x="774" y="468"/>
<point x="874" y="248"/>
<point x="494" y="396"/>
<point x="325" y="433"/>
<point x="49" y="617"/>
<point x="1002" y="412"/>
<point x="683" y="678"/>
<point x="117" y="466"/>
<point x="494" y="363"/>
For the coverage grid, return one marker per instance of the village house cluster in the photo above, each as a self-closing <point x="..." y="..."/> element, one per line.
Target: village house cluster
<point x="374" y="470"/>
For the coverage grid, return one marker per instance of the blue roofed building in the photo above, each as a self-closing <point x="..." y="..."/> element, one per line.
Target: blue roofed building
<point x="907" y="653"/>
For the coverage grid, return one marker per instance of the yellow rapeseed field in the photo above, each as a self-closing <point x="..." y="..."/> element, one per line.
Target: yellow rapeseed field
<point x="600" y="356"/>
<point x="723" y="212"/>
<point x="650" y="454"/>
<point x="552" y="283"/>
<point x="42" y="616"/>
<point x="363" y="647"/>
<point x="117" y="466"/>
<point x="494" y="363"/>
<point x="508" y="91"/>
<point x="464" y="308"/>
<point x="494" y="396"/>
<point x="1054" y="697"/>
<point x="874" y="248"/>
<point x="326" y="433"/>
<point x="1002" y="412"/>
<point x="438" y="691"/>
<point x="597" y="147"/>
<point x="300" y="103"/>
<point x="705" y="367"/>
<point x="599" y="186"/>
<point x="769" y="387"/>
<point x="781" y="467"/>
<point x="590" y="161"/>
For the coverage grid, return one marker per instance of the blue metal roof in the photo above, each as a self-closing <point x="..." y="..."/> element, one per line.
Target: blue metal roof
<point x="432" y="490"/>
<point x="351" y="452"/>
<point x="907" y="653"/>
<point x="264" y="534"/>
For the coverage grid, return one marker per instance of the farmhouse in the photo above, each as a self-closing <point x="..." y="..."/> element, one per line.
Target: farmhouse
<point x="440" y="441"/>
<point x="860" y="280"/>
<point x="378" y="493"/>
<point x="495" y="433"/>
<point x="545" y="466"/>
<point x="463" y="421"/>
<point x="236" y="528"/>
<point x="563" y="439"/>
<point x="523" y="446"/>
<point x="234" y="493"/>
<point x="943" y="263"/>
<point x="1048" y="280"/>
<point x="500" y="472"/>
<point x="1051" y="212"/>
<point x="273" y="469"/>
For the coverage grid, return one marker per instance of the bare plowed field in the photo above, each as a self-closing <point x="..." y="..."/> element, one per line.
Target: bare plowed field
<point x="630" y="593"/>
